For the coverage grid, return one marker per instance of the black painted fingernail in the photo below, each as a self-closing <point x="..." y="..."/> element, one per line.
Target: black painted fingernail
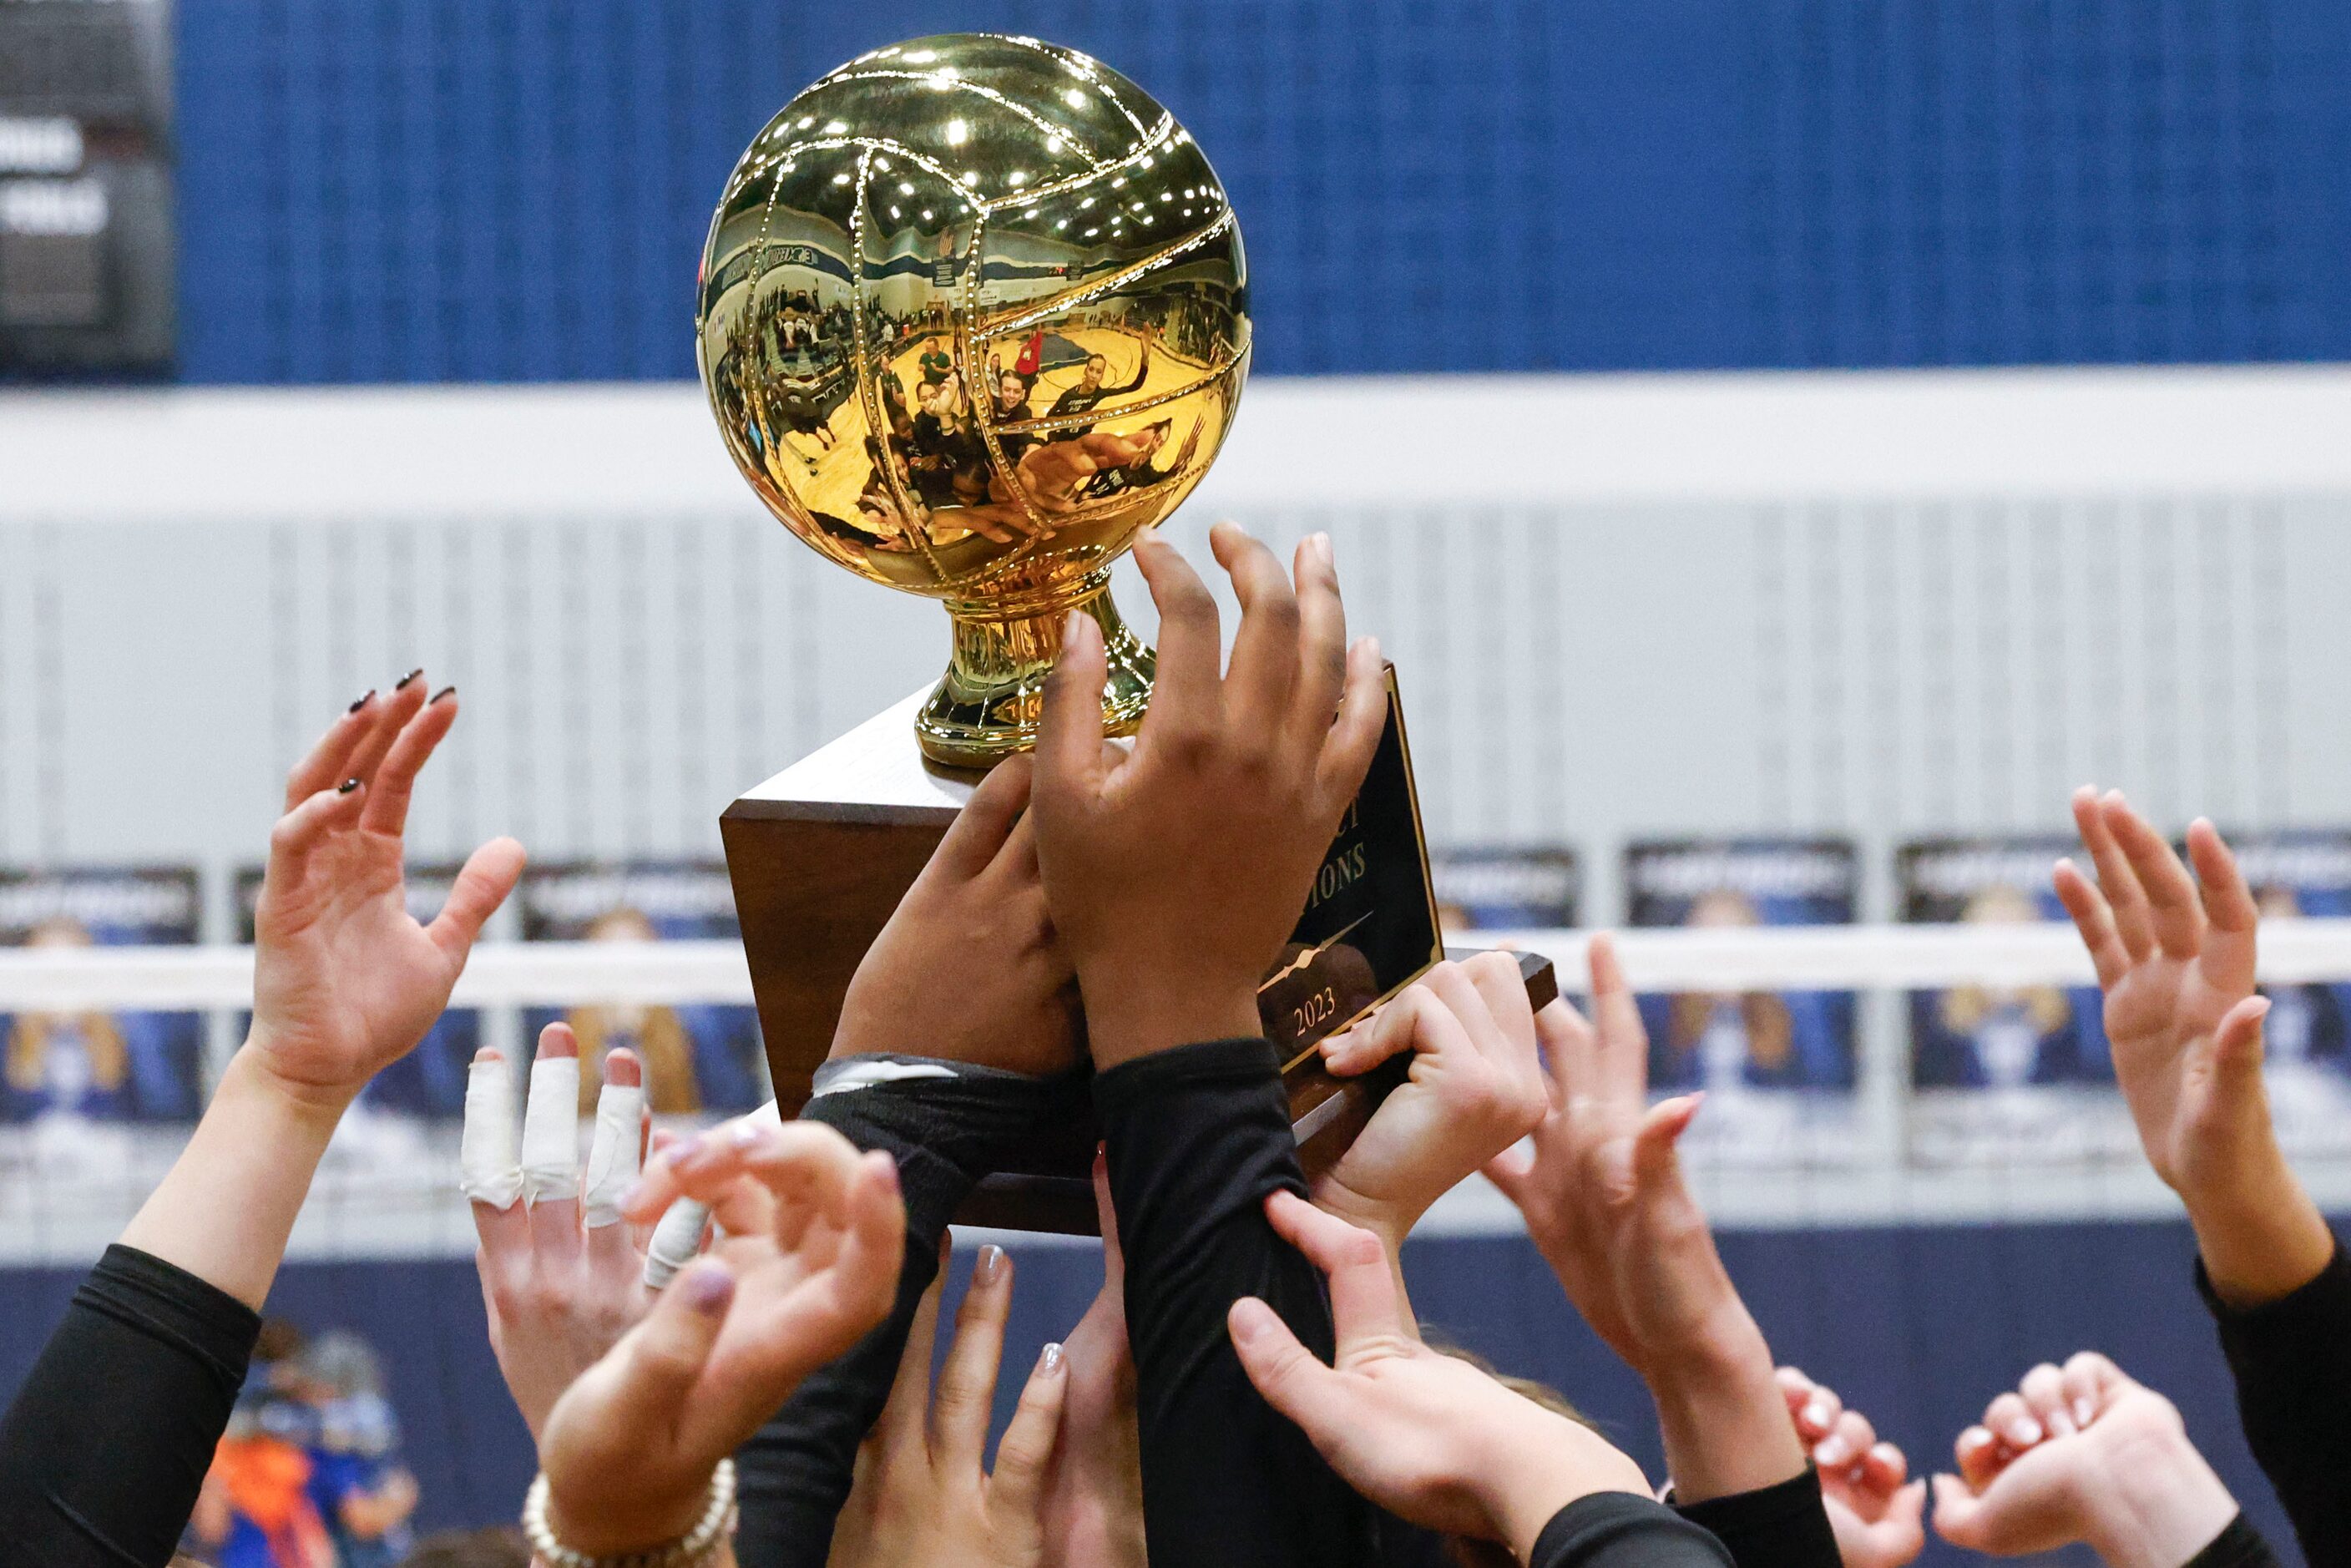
<point x="365" y="697"/>
<point x="444" y="692"/>
<point x="347" y="785"/>
<point x="401" y="684"/>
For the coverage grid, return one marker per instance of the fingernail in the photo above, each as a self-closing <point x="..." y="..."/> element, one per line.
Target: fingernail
<point x="347" y="785"/>
<point x="1048" y="1363"/>
<point x="708" y="1289"/>
<point x="366" y="697"/>
<point x="444" y="692"/>
<point x="402" y="684"/>
<point x="2082" y="1411"/>
<point x="1818" y="1413"/>
<point x="1069" y="625"/>
<point x="2024" y="1431"/>
<point x="991" y="1265"/>
<point x="885" y="1171"/>
<point x="1247" y="1319"/>
<point x="1830" y="1453"/>
<point x="748" y="1135"/>
<point x="1323" y="549"/>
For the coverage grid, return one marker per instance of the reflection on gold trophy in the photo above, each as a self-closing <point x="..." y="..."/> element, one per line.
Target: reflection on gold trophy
<point x="974" y="312"/>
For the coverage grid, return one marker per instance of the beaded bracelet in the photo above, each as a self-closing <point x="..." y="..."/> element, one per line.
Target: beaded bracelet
<point x="716" y="1523"/>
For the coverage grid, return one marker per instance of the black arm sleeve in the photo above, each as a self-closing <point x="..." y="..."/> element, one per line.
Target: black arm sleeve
<point x="1782" y="1526"/>
<point x="1199" y="1137"/>
<point x="1618" y="1530"/>
<point x="2238" y="1545"/>
<point x="946" y="1131"/>
<point x="2292" y="1360"/>
<point x="108" y="1442"/>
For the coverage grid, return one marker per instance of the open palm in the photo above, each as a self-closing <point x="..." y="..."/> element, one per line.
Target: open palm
<point x="345" y="980"/>
<point x="2176" y="968"/>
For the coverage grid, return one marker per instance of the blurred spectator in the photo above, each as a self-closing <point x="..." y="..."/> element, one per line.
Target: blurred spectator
<point x="360" y="1488"/>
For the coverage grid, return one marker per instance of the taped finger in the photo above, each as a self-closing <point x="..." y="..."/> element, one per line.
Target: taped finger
<point x="551" y="1119"/>
<point x="614" y="1152"/>
<point x="490" y="1158"/>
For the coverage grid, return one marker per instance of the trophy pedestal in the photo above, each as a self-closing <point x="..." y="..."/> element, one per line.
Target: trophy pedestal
<point x="821" y="855"/>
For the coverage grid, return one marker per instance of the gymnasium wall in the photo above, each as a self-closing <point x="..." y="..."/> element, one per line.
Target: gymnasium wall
<point x="429" y="190"/>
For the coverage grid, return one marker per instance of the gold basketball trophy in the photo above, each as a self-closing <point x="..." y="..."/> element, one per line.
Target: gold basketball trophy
<point x="973" y="312"/>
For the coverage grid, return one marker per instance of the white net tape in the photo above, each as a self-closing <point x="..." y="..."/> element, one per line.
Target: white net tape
<point x="1879" y="1152"/>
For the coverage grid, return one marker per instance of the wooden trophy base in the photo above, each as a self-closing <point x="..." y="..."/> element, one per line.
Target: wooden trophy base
<point x="819" y="856"/>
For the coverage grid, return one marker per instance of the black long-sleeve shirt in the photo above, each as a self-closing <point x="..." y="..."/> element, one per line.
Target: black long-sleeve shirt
<point x="946" y="1131"/>
<point x="1618" y="1530"/>
<point x="1785" y="1525"/>
<point x="107" y="1444"/>
<point x="2292" y="1361"/>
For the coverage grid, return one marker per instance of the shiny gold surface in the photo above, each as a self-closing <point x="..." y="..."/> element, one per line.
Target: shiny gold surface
<point x="974" y="312"/>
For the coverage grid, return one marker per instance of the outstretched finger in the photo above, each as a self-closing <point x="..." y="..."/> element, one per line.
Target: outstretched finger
<point x="1263" y="671"/>
<point x="392" y="713"/>
<point x="1623" y="1059"/>
<point x="1016" y="1490"/>
<point x="905" y="1420"/>
<point x="1322" y="636"/>
<point x="967" y="1391"/>
<point x="1069" y="763"/>
<point x="489" y="874"/>
<point x="2228" y="948"/>
<point x="2174" y="910"/>
<point x="1351" y="742"/>
<point x="327" y="763"/>
<point x="1113" y="1254"/>
<point x="394" y="783"/>
<point x="551" y="1148"/>
<point x="2093" y="920"/>
<point x="1570" y="1048"/>
<point x="489" y="1154"/>
<point x="614" y="1155"/>
<point x="1187" y="699"/>
<point x="1286" y="1372"/>
<point x="2125" y="899"/>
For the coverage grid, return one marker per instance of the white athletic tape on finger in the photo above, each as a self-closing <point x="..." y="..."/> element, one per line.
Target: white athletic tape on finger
<point x="550" y="1130"/>
<point x="612" y="1156"/>
<point x="489" y="1161"/>
<point x="675" y="1241"/>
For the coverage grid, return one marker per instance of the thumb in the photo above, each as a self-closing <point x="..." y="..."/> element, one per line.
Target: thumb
<point x="664" y="1355"/>
<point x="1959" y="1513"/>
<point x="1284" y="1371"/>
<point x="1656" y="1159"/>
<point x="1907" y="1506"/>
<point x="1509" y="1172"/>
<point x="2237" y="1048"/>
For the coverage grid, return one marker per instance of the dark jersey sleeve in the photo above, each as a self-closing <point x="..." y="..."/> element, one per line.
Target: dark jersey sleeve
<point x="1198" y="1138"/>
<point x="1782" y="1526"/>
<point x="2238" y="1545"/>
<point x="107" y="1444"/>
<point x="2292" y="1360"/>
<point x="1618" y="1530"/>
<point x="946" y="1130"/>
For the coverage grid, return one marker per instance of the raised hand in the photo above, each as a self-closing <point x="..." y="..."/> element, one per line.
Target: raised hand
<point x="924" y="1496"/>
<point x="968" y="968"/>
<point x="2185" y="1030"/>
<point x="812" y="1236"/>
<point x="1876" y="1512"/>
<point x="345" y="980"/>
<point x="1474" y="1089"/>
<point x="1094" y="1493"/>
<point x="1605" y="1204"/>
<point x="1175" y="872"/>
<point x="1425" y="1435"/>
<point x="562" y="1277"/>
<point x="2082" y="1453"/>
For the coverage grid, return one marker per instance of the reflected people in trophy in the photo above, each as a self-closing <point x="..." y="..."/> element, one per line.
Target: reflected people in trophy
<point x="922" y="251"/>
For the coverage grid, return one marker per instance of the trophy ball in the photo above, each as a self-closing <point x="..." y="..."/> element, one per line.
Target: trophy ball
<point x="973" y="312"/>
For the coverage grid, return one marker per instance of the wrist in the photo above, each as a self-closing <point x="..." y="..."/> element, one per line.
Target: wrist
<point x="2156" y="1504"/>
<point x="1131" y="1014"/>
<point x="607" y="1521"/>
<point x="1531" y="1475"/>
<point x="255" y="1067"/>
<point x="2261" y="1236"/>
<point x="1722" y="1417"/>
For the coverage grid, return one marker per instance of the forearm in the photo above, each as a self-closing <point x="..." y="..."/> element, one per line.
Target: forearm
<point x="945" y="1131"/>
<point x="1723" y="1418"/>
<point x="224" y="1211"/>
<point x="1198" y="1138"/>
<point x="2260" y="1234"/>
<point x="2159" y="1506"/>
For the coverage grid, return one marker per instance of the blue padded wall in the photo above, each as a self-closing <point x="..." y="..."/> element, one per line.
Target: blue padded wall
<point x="416" y="190"/>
